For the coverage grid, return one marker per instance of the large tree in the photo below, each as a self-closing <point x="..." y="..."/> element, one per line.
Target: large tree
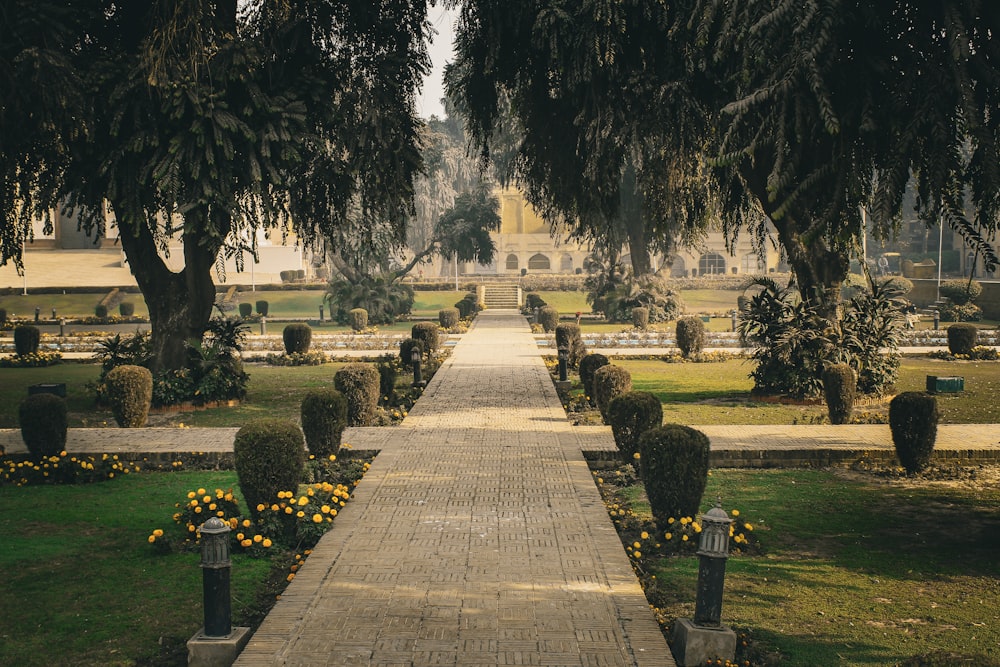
<point x="566" y="99"/>
<point x="206" y="121"/>
<point x="806" y="111"/>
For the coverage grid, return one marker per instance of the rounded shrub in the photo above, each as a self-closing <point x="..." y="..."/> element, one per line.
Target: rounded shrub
<point x="406" y="351"/>
<point x="101" y="311"/>
<point x="961" y="292"/>
<point x="610" y="381"/>
<point x="269" y="456"/>
<point x="387" y="374"/>
<point x="588" y="365"/>
<point x="673" y="460"/>
<point x="324" y="418"/>
<point x="962" y="338"/>
<point x="690" y="336"/>
<point x="427" y="334"/>
<point x="246" y="310"/>
<point x="26" y="339"/>
<point x="839" y="390"/>
<point x="358" y="319"/>
<point x="129" y="392"/>
<point x="359" y="383"/>
<point x="126" y="309"/>
<point x="913" y="420"/>
<point x="532" y="300"/>
<point x="261" y="307"/>
<point x="548" y="317"/>
<point x="640" y="317"/>
<point x="630" y="415"/>
<point x="568" y="336"/>
<point x="297" y="338"/>
<point x="448" y="317"/>
<point x="43" y="424"/>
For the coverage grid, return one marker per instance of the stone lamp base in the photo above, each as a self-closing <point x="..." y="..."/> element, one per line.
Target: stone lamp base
<point x="694" y="644"/>
<point x="216" y="651"/>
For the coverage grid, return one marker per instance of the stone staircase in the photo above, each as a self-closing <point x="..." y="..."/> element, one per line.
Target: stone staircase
<point x="500" y="295"/>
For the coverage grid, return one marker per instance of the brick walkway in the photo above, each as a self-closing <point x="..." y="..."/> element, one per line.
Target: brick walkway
<point x="477" y="537"/>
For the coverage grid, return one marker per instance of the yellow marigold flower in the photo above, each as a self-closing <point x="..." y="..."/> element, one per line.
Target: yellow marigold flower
<point x="684" y="538"/>
<point x="260" y="507"/>
<point x="197" y="510"/>
<point x="333" y="512"/>
<point x="636" y="545"/>
<point x="300" y="514"/>
<point x="219" y="493"/>
<point x="747" y="526"/>
<point x="670" y="520"/>
<point x="194" y="503"/>
<point x="636" y="456"/>
<point x="258" y="538"/>
<point x="644" y="535"/>
<point x="201" y="492"/>
<point x="190" y="527"/>
<point x="697" y="527"/>
<point x="267" y="542"/>
<point x="668" y="536"/>
<point x="246" y="523"/>
<point x="206" y="499"/>
<point x="62" y="453"/>
<point x="233" y="523"/>
<point x="309" y="492"/>
<point x="239" y="537"/>
<point x="220" y="514"/>
<point x="212" y="506"/>
<point x="290" y="577"/>
<point x="333" y="457"/>
<point x="325" y="509"/>
<point x="637" y="554"/>
<point x="303" y="501"/>
<point x="288" y="510"/>
<point x="317" y="518"/>
<point x="246" y="544"/>
<point x="191" y="494"/>
<point x="229" y="497"/>
<point x="736" y="513"/>
<point x="151" y="539"/>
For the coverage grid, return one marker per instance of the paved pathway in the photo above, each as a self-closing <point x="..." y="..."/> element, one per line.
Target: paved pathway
<point x="477" y="537"/>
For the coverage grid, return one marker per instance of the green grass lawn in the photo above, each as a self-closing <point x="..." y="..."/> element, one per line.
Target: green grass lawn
<point x="83" y="587"/>
<point x="854" y="572"/>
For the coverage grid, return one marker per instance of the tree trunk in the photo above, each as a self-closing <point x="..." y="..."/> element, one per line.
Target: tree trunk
<point x="180" y="304"/>
<point x="633" y="220"/>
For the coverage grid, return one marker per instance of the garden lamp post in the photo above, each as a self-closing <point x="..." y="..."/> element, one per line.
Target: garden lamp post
<point x="263" y="325"/>
<point x="415" y="354"/>
<point x="937" y="319"/>
<point x="563" y="363"/>
<point x="62" y="326"/>
<point x="713" y="551"/>
<point x="735" y="319"/>
<point x="705" y="638"/>
<point x="320" y="312"/>
<point x="216" y="566"/>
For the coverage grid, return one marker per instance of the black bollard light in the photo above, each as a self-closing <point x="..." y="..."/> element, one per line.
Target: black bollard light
<point x="53" y="313"/>
<point x="321" y="312"/>
<point x="937" y="319"/>
<point x="216" y="567"/>
<point x="563" y="363"/>
<point x="713" y="551"/>
<point x="38" y="313"/>
<point x="415" y="355"/>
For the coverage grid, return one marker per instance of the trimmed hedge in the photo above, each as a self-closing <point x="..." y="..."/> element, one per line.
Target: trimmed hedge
<point x="43" y="424"/>
<point x="262" y="307"/>
<point x="568" y="336"/>
<point x="548" y="317"/>
<point x="358" y="319"/>
<point x="406" y="351"/>
<point x="26" y="339"/>
<point x="324" y="418"/>
<point x="588" y="365"/>
<point x="630" y="415"/>
<point x="359" y="383"/>
<point x="690" y="336"/>
<point x="269" y="456"/>
<point x="962" y="338"/>
<point x="129" y="391"/>
<point x="448" y="317"/>
<point x="101" y="311"/>
<point x="610" y="381"/>
<point x="427" y="334"/>
<point x="673" y="460"/>
<point x="839" y="389"/>
<point x="126" y="309"/>
<point x="297" y="338"/>
<point x="246" y="309"/>
<point x="640" y="317"/>
<point x="913" y="420"/>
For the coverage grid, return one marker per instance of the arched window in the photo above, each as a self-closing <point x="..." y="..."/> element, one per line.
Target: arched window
<point x="677" y="267"/>
<point x="751" y="263"/>
<point x="512" y="264"/>
<point x="538" y="262"/>
<point x="711" y="262"/>
<point x="566" y="263"/>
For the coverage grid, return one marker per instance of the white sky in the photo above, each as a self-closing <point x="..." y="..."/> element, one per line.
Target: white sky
<point x="429" y="100"/>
